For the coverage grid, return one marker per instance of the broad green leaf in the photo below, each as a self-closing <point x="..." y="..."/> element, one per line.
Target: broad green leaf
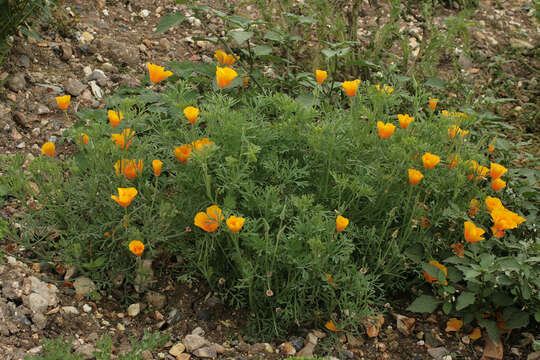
<point x="515" y="318"/>
<point x="261" y="50"/>
<point x="436" y="83"/>
<point x="239" y="20"/>
<point x="240" y="36"/>
<point x="465" y="299"/>
<point x="424" y="304"/>
<point x="273" y="36"/>
<point x="454" y="275"/>
<point x="306" y="20"/>
<point x="447" y="307"/>
<point x="501" y="299"/>
<point x="492" y="329"/>
<point x="168" y="21"/>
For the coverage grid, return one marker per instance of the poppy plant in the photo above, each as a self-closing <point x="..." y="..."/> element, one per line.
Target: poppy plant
<point x="473" y="233"/>
<point x="157" y="73"/>
<point x="341" y="223"/>
<point x="385" y="90"/>
<point x="498" y="184"/>
<point x="125" y="196"/>
<point x="321" y="75"/>
<point x="136" y="247"/>
<point x="385" y="130"/>
<point x="224" y="76"/>
<point x="84" y="139"/>
<point x="210" y="220"/>
<point x="129" y="168"/>
<point x="415" y="176"/>
<point x="433" y="103"/>
<point x="63" y="102"/>
<point x="223" y="58"/>
<point x="430" y="279"/>
<point x="183" y="152"/>
<point x="351" y="87"/>
<point x="114" y="117"/>
<point x="454" y="129"/>
<point x="199" y="145"/>
<point x="404" y="120"/>
<point x="191" y="114"/>
<point x="156" y="166"/>
<point x="454" y="161"/>
<point x="430" y="161"/>
<point x="235" y="223"/>
<point x="123" y="140"/>
<point x="48" y="148"/>
<point x="496" y="171"/>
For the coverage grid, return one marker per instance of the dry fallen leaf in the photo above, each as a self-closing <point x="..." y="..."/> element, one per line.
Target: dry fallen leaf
<point x="493" y="351"/>
<point x="476" y="334"/>
<point x="373" y="325"/>
<point x="330" y="326"/>
<point x="454" y="325"/>
<point x="405" y="324"/>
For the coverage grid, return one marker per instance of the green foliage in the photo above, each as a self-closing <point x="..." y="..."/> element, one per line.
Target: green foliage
<point x="57" y="349"/>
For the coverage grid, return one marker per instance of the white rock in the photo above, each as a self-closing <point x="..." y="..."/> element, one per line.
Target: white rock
<point x="87" y="308"/>
<point x="70" y="310"/>
<point x="134" y="309"/>
<point x="177" y="349"/>
<point x="144" y="13"/>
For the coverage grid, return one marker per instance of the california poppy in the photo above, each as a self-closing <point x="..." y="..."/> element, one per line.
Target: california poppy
<point x="497" y="171"/>
<point x="493" y="203"/>
<point x="84" y="139"/>
<point x="125" y="196"/>
<point x="136" y="247"/>
<point x="123" y="140"/>
<point x="48" y="148"/>
<point x="385" y="130"/>
<point x="430" y="161"/>
<point x="224" y="76"/>
<point x="404" y="120"/>
<point x="156" y="166"/>
<point x="210" y="220"/>
<point x="415" y="176"/>
<point x="235" y="223"/>
<point x="129" y="168"/>
<point x="341" y="223"/>
<point x="385" y="90"/>
<point x="351" y="87"/>
<point x="157" y="73"/>
<point x="473" y="233"/>
<point x="183" y="152"/>
<point x="191" y="114"/>
<point x="63" y="101"/>
<point x="498" y="184"/>
<point x="320" y="75"/>
<point x="433" y="103"/>
<point x="431" y="279"/>
<point x="223" y="58"/>
<point x="114" y="117"/>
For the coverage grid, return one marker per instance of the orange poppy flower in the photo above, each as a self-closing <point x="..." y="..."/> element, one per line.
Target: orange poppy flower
<point x="415" y="176"/>
<point x="341" y="223"/>
<point x="123" y="140"/>
<point x="191" y="114"/>
<point x="493" y="203"/>
<point x="454" y="161"/>
<point x="129" y="168"/>
<point x="156" y="166"/>
<point x="199" y="145"/>
<point x="404" y="120"/>
<point x="504" y="219"/>
<point x="497" y="171"/>
<point x="114" y="117"/>
<point x="210" y="220"/>
<point x="454" y="129"/>
<point x="385" y="90"/>
<point x="224" y="76"/>
<point x="433" y="103"/>
<point x="430" y="279"/>
<point x="351" y="87"/>
<point x="472" y="232"/>
<point x="48" y="148"/>
<point x="430" y="161"/>
<point x="183" y="152"/>
<point x="498" y="184"/>
<point x="321" y="75"/>
<point x="125" y="196"/>
<point x="157" y="73"/>
<point x="235" y="223"/>
<point x="491" y="148"/>
<point x="84" y="139"/>
<point x="136" y="247"/>
<point x="63" y="101"/>
<point x="385" y="130"/>
<point x="223" y="58"/>
<point x="331" y="326"/>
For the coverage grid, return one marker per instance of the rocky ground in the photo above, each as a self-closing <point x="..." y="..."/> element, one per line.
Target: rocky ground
<point x="112" y="42"/>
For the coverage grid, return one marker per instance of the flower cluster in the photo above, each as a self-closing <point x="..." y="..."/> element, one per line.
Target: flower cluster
<point x="225" y="75"/>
